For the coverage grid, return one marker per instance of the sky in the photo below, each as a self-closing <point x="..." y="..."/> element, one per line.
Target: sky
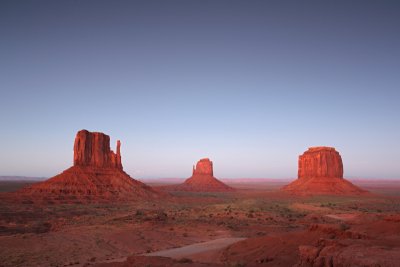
<point x="249" y="84"/>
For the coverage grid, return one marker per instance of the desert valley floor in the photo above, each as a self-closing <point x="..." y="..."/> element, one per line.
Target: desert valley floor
<point x="256" y="225"/>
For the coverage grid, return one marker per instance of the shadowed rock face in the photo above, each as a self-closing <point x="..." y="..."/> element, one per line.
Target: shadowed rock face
<point x="93" y="149"/>
<point x="320" y="162"/>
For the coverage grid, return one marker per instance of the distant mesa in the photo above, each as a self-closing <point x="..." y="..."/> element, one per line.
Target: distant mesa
<point x="203" y="180"/>
<point x="321" y="172"/>
<point x="97" y="174"/>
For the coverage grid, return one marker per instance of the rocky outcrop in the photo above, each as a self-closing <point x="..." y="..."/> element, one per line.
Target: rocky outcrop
<point x="93" y="149"/>
<point x="335" y="253"/>
<point x="321" y="172"/>
<point x="96" y="175"/>
<point x="203" y="167"/>
<point x="320" y="162"/>
<point x="202" y="180"/>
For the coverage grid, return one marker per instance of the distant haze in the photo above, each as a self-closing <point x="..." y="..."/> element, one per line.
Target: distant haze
<point x="249" y="84"/>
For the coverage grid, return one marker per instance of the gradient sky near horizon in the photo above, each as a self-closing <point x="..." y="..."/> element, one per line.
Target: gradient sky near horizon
<point x="249" y="84"/>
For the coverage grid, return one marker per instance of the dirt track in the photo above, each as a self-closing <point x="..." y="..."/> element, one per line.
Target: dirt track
<point x="189" y="250"/>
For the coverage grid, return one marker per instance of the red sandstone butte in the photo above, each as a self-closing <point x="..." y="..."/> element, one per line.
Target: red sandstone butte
<point x="320" y="162"/>
<point x="203" y="180"/>
<point x="321" y="172"/>
<point x="93" y="149"/>
<point x="97" y="174"/>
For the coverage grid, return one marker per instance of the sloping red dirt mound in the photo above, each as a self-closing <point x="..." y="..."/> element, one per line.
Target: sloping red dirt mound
<point x="318" y="185"/>
<point x="90" y="183"/>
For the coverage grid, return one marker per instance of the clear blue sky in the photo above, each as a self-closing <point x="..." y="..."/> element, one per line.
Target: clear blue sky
<point x="250" y="84"/>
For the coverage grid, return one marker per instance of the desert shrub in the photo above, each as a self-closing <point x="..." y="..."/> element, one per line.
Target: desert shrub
<point x="344" y="226"/>
<point x="185" y="260"/>
<point x="139" y="213"/>
<point x="264" y="260"/>
<point x="238" y="264"/>
<point x="161" y="215"/>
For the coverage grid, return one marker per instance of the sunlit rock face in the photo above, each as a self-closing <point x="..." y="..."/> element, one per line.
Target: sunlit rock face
<point x="320" y="162"/>
<point x="204" y="167"/>
<point x="93" y="149"/>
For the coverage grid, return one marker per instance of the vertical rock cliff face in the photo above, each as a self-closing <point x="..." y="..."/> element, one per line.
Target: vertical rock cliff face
<point x="320" y="162"/>
<point x="93" y="149"/>
<point x="204" y="167"/>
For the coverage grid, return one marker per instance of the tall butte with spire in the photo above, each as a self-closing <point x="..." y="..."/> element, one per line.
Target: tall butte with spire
<point x="93" y="149"/>
<point x="321" y="172"/>
<point x="96" y="174"/>
<point x="203" y="180"/>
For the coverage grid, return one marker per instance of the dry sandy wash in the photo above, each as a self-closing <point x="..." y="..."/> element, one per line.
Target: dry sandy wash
<point x="94" y="214"/>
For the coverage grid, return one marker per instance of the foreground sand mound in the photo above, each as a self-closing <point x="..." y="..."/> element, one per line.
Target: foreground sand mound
<point x="203" y="180"/>
<point x="97" y="174"/>
<point x="321" y="172"/>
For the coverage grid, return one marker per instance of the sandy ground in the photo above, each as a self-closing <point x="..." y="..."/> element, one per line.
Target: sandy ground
<point x="280" y="230"/>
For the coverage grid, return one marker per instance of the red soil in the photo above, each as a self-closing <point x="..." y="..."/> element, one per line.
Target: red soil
<point x="281" y="230"/>
<point x="323" y="186"/>
<point x="322" y="245"/>
<point x="88" y="183"/>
